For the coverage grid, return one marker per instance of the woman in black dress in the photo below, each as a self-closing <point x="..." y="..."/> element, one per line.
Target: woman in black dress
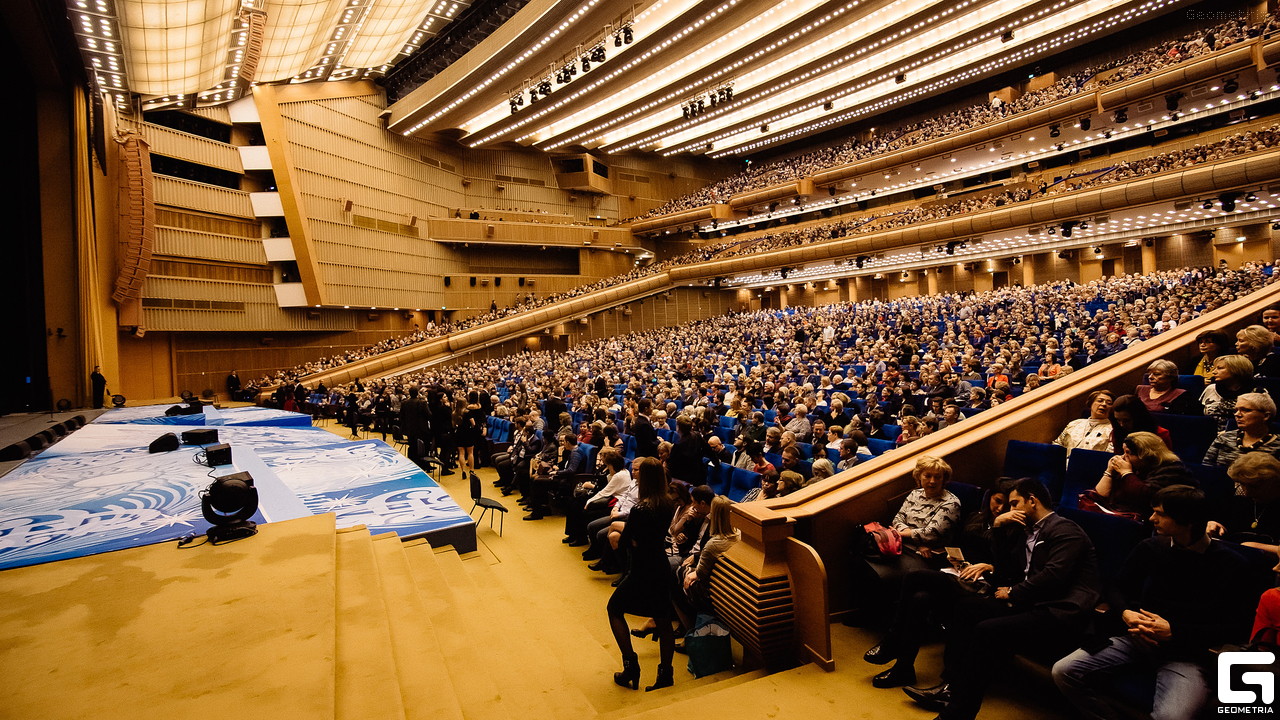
<point x="643" y="590"/>
<point x="470" y="432"/>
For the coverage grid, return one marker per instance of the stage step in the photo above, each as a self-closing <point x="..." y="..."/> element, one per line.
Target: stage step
<point x="580" y="634"/>
<point x="471" y="667"/>
<point x="793" y="693"/>
<point x="683" y="689"/>
<point x="366" y="682"/>
<point x="537" y="682"/>
<point x="425" y="683"/>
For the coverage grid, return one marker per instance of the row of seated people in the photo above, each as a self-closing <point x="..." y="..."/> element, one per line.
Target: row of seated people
<point x="1127" y="613"/>
<point x="757" y="176"/>
<point x="1229" y="147"/>
<point x="1162" y="604"/>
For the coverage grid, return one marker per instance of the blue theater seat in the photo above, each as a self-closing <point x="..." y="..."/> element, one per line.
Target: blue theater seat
<point x="1045" y="462"/>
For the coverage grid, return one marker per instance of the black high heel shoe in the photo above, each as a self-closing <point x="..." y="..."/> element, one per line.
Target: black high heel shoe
<point x="630" y="675"/>
<point x="665" y="679"/>
<point x="646" y="632"/>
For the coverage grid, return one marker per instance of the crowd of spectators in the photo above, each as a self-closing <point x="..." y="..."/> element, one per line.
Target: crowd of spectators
<point x="1191" y="45"/>
<point x="879" y="362"/>
<point x="1233" y="146"/>
<point x="842" y="377"/>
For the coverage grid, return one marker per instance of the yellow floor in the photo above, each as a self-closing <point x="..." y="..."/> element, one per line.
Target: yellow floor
<point x="145" y="632"/>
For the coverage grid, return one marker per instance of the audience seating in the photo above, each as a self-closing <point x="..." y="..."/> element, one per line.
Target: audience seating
<point x="1191" y="434"/>
<point x="1045" y="462"/>
<point x="1084" y="469"/>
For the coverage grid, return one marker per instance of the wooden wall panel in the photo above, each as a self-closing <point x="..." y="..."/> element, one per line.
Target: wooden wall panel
<point x="146" y="368"/>
<point x="204" y="198"/>
<point x="178" y="242"/>
<point x="192" y="148"/>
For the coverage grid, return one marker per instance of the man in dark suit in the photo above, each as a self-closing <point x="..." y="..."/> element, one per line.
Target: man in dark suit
<point x="551" y="409"/>
<point x="572" y="462"/>
<point x="642" y="429"/>
<point x="1037" y="594"/>
<point x="415" y="423"/>
<point x="233" y="385"/>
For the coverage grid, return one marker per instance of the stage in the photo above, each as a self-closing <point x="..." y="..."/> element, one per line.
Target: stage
<point x="100" y="490"/>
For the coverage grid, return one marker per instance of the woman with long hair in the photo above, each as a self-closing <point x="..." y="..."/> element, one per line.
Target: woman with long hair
<point x="692" y="596"/>
<point x="1133" y="477"/>
<point x="643" y="590"/>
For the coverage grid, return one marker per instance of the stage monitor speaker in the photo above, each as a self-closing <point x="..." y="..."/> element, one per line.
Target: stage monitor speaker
<point x="164" y="443"/>
<point x="218" y="455"/>
<point x="201" y="436"/>
<point x="192" y="409"/>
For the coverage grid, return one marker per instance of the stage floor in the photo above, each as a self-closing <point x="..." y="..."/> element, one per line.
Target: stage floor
<point x="99" y="490"/>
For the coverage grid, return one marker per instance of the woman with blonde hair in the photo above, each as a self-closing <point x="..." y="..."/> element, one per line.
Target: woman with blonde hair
<point x="1133" y="477"/>
<point x="1232" y="377"/>
<point x="695" y="572"/>
<point x="1258" y="344"/>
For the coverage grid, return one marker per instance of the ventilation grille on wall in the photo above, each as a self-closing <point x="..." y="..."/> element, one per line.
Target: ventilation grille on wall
<point x="436" y="163"/>
<point x="180" y="304"/>
<point x="632" y="178"/>
<point x="519" y="180"/>
<point x="387" y="226"/>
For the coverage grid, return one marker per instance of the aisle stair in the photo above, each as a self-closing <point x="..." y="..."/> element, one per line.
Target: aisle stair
<point x="425" y="633"/>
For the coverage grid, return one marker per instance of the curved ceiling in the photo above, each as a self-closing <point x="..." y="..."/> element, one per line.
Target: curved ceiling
<point x="716" y="77"/>
<point x="732" y="77"/>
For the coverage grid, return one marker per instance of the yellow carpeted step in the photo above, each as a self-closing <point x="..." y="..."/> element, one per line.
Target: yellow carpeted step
<point x="244" y="629"/>
<point x="683" y="689"/>
<point x="589" y="642"/>
<point x="471" y="667"/>
<point x="539" y="683"/>
<point x="367" y="683"/>
<point x="425" y="684"/>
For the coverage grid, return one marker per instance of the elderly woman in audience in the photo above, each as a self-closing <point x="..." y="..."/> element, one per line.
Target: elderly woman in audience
<point x="1162" y="394"/>
<point x="1092" y="432"/>
<point x="1252" y="516"/>
<point x="1253" y="414"/>
<point x="1211" y="344"/>
<point x="799" y="423"/>
<point x="1257" y="343"/>
<point x="1232" y="377"/>
<point x="926" y="521"/>
<point x="1133" y="477"/>
<point x="1129" y="415"/>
